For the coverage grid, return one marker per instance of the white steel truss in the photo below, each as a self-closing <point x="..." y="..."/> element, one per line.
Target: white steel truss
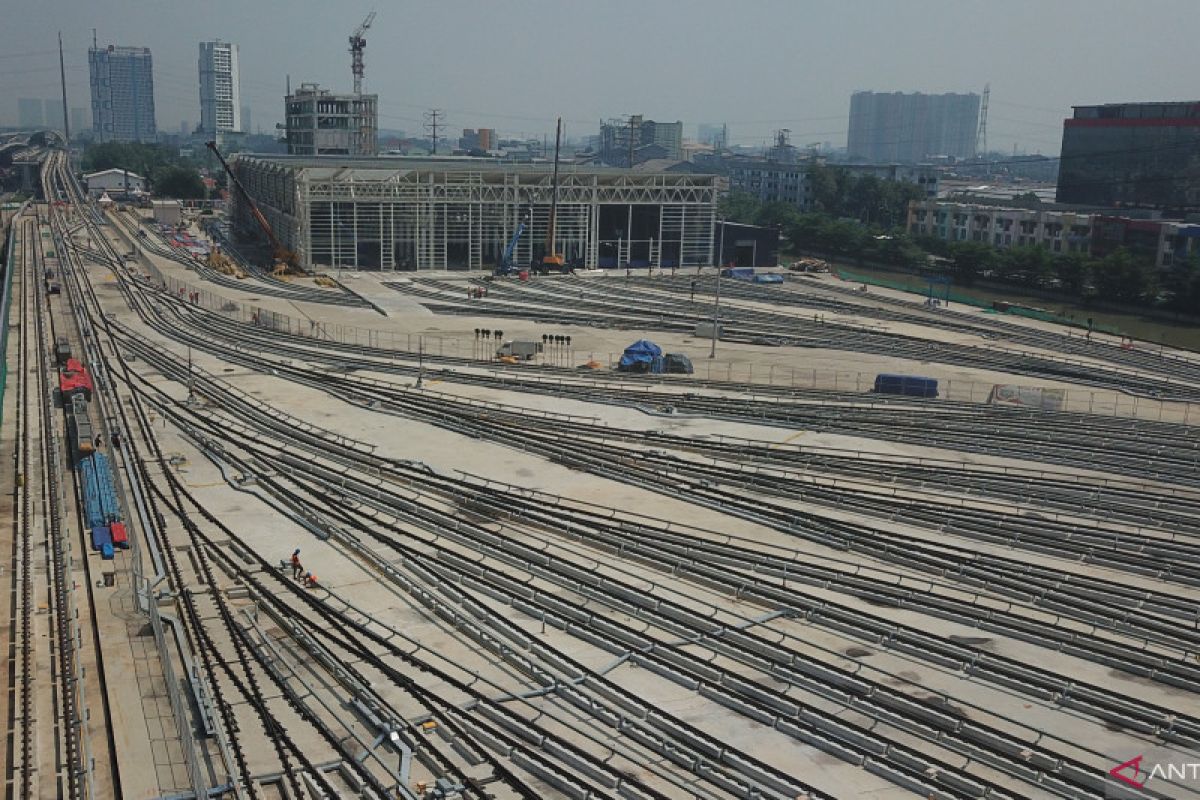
<point x="435" y="215"/>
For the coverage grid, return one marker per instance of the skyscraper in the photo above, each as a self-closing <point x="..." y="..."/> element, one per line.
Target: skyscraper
<point x="122" y="94"/>
<point x="220" y="94"/>
<point x="29" y="112"/>
<point x="912" y="127"/>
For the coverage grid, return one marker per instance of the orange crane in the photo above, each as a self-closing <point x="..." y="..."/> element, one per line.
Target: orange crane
<point x="285" y="259"/>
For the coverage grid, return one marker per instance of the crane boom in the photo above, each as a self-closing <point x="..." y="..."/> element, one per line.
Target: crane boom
<point x="281" y="253"/>
<point x="357" y="44"/>
<point x="552" y="258"/>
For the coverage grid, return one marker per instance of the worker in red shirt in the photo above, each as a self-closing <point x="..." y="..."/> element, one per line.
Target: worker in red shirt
<point x="296" y="564"/>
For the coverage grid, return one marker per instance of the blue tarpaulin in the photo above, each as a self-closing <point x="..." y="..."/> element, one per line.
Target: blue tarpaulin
<point x="641" y="356"/>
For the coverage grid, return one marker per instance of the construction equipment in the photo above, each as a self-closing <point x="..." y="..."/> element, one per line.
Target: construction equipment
<point x="220" y="262"/>
<point x="285" y="259"/>
<point x="358" y="43"/>
<point x="505" y="266"/>
<point x="553" y="261"/>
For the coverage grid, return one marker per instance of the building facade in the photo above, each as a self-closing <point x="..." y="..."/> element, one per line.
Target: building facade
<point x="482" y="139"/>
<point x="114" y="182"/>
<point x="122" y="82"/>
<point x="320" y="122"/>
<point x="1132" y="154"/>
<point x="771" y="182"/>
<point x="1059" y="231"/>
<point x="406" y="214"/>
<point x="220" y="92"/>
<point x="621" y="140"/>
<point x="1002" y="227"/>
<point x="912" y="127"/>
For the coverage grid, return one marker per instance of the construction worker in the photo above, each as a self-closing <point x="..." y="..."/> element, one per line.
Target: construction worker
<point x="296" y="564"/>
<point x="310" y="580"/>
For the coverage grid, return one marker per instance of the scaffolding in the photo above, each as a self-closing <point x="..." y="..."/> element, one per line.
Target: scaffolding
<point x="401" y="214"/>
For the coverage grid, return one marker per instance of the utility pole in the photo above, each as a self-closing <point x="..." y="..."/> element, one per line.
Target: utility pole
<point x="631" y="118"/>
<point x="981" y="136"/>
<point x="712" y="353"/>
<point x="62" y="73"/>
<point x="434" y="118"/>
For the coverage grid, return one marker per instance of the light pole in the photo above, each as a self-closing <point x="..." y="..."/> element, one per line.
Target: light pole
<point x="712" y="353"/>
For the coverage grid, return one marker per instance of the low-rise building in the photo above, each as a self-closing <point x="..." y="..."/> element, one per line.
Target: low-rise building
<point x="116" y="182"/>
<point x="1058" y="230"/>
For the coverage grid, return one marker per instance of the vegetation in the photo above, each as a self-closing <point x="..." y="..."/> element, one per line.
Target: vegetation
<point x="167" y="173"/>
<point x="863" y="219"/>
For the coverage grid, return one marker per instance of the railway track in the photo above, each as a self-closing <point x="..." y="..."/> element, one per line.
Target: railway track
<point x="611" y="308"/>
<point x="489" y="563"/>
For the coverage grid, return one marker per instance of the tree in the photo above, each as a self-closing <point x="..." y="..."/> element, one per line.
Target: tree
<point x="968" y="259"/>
<point x="739" y="207"/>
<point x="827" y="186"/>
<point x="1075" y="272"/>
<point x="1121" y="277"/>
<point x="179" y="182"/>
<point x="776" y="214"/>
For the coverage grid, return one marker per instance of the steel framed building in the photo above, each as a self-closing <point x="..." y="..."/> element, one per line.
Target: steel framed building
<point x="398" y="213"/>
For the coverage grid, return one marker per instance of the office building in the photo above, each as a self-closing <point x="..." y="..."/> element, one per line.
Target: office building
<point x="907" y="128"/>
<point x="483" y="139"/>
<point x="30" y="113"/>
<point x="1133" y="155"/>
<point x="220" y="95"/>
<point x="640" y="139"/>
<point x="771" y="181"/>
<point x="122" y="83"/>
<point x="456" y="213"/>
<point x="320" y="122"/>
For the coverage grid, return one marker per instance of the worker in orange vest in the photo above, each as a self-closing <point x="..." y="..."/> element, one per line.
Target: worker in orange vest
<point x="310" y="580"/>
<point x="296" y="564"/>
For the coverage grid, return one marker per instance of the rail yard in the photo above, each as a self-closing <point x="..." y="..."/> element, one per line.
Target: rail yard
<point x="254" y="556"/>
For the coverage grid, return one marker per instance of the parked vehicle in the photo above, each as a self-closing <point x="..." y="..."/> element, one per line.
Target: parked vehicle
<point x="907" y="385"/>
<point x="516" y="348"/>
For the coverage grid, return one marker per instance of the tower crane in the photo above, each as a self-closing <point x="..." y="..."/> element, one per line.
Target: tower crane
<point x="358" y="43"/>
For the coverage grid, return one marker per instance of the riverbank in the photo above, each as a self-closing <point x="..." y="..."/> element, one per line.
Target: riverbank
<point x="1181" y="335"/>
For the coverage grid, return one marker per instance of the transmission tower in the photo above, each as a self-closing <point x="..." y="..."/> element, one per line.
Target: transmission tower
<point x="434" y="119"/>
<point x="981" y="137"/>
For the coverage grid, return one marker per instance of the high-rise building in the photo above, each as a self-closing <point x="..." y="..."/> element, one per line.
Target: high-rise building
<point x="54" y="114"/>
<point x="122" y="81"/>
<point x="29" y="112"/>
<point x="639" y="138"/>
<point x="907" y="128"/>
<point x="320" y="122"/>
<point x="1131" y="154"/>
<point x="220" y="95"/>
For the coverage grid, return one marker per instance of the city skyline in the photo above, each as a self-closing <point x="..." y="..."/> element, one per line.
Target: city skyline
<point x="775" y="76"/>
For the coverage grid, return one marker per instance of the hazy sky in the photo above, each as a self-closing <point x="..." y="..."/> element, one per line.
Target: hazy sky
<point x="516" y="64"/>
